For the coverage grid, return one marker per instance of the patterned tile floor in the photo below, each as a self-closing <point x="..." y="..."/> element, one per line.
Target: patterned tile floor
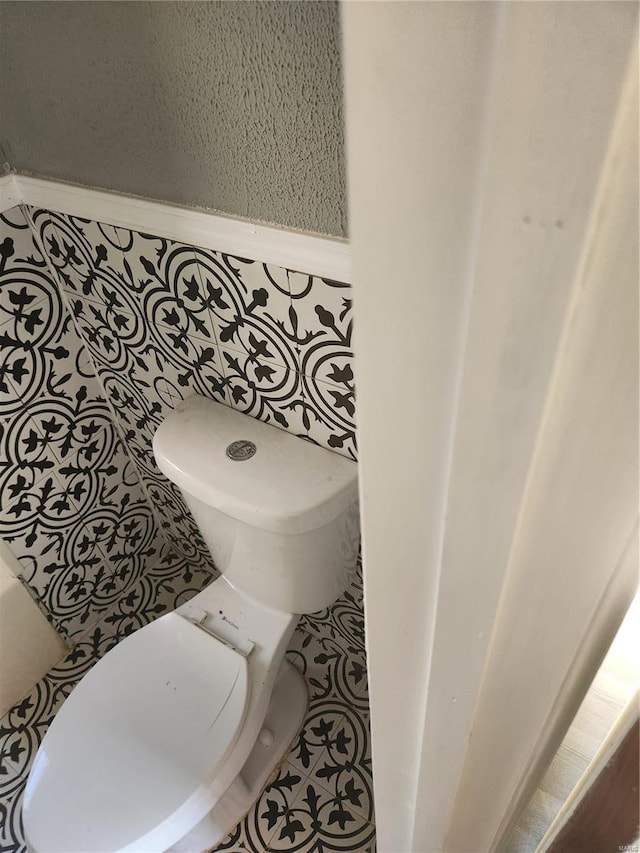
<point x="322" y="797"/>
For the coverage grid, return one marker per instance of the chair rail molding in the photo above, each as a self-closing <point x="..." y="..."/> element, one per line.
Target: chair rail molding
<point x="316" y="254"/>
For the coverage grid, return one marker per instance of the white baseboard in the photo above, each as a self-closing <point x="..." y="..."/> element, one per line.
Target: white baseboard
<point x="311" y="253"/>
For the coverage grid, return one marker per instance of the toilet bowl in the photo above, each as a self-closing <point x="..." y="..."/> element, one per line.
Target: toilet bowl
<point x="170" y="738"/>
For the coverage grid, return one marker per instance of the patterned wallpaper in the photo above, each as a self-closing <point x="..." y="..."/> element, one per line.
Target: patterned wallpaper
<point x="71" y="503"/>
<point x="164" y="320"/>
<point x="84" y="505"/>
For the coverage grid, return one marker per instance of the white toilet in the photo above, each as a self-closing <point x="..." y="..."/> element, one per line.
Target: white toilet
<point x="169" y="739"/>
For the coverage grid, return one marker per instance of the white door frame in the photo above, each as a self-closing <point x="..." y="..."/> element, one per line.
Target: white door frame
<point x="482" y="140"/>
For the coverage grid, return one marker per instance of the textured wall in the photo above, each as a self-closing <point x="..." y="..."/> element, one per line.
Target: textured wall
<point x="235" y="106"/>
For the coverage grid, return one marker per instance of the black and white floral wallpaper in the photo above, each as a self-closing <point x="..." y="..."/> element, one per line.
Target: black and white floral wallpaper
<point x="72" y="507"/>
<point x="163" y="320"/>
<point x="98" y="341"/>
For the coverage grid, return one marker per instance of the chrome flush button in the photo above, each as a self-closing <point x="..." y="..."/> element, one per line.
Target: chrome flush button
<point x="241" y="450"/>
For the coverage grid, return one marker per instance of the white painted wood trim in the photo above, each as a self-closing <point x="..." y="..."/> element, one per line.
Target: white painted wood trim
<point x="417" y="79"/>
<point x="9" y="192"/>
<point x="580" y="504"/>
<point x="536" y="223"/>
<point x="328" y="257"/>
<point x="413" y="166"/>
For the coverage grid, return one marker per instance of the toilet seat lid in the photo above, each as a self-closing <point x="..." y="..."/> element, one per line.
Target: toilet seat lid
<point x="129" y="761"/>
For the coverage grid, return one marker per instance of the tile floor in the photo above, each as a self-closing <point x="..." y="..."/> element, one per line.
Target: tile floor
<point x="322" y="798"/>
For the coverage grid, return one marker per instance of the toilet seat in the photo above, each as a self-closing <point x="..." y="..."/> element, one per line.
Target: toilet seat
<point x="112" y="734"/>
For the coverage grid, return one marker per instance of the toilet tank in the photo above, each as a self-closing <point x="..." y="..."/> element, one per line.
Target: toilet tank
<point x="279" y="514"/>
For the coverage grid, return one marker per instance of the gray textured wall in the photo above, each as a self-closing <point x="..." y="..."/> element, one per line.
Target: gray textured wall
<point x="234" y="106"/>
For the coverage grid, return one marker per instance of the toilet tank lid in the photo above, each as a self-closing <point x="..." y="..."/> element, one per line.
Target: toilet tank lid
<point x="288" y="486"/>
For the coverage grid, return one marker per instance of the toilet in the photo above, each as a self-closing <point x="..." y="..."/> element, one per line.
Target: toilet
<point x="171" y="737"/>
